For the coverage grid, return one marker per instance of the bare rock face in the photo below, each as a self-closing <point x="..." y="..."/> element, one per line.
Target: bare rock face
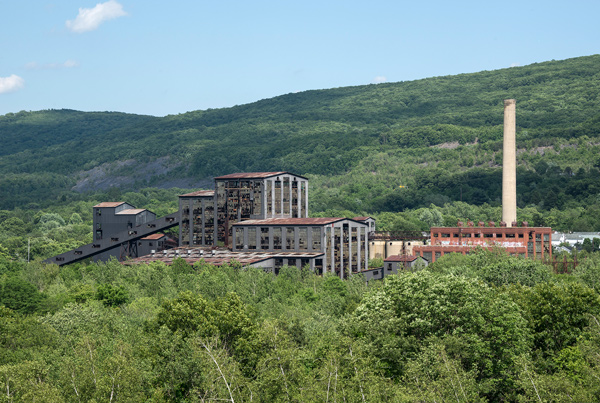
<point x="127" y="173"/>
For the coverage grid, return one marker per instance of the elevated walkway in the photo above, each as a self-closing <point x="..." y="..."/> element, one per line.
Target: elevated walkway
<point x="126" y="241"/>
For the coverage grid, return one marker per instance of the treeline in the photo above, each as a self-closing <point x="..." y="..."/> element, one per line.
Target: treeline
<point x="45" y="229"/>
<point x="483" y="327"/>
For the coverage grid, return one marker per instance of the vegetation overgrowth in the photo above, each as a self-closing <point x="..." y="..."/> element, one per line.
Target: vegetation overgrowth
<point x="484" y="327"/>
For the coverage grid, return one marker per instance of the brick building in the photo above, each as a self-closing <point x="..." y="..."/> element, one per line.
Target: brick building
<point x="530" y="242"/>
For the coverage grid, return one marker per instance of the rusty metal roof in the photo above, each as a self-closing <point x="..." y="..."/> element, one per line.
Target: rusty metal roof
<point x="498" y="230"/>
<point x="109" y="204"/>
<point x="153" y="237"/>
<point x="293" y="221"/>
<point x="131" y="211"/>
<point x="400" y="258"/>
<point x="200" y="193"/>
<point x="221" y="256"/>
<point x="256" y="175"/>
<point x="362" y="218"/>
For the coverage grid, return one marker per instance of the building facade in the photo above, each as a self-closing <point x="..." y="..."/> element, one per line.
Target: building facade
<point x="112" y="218"/>
<point x="197" y="225"/>
<point x="342" y="242"/>
<point x="524" y="241"/>
<point x="257" y="196"/>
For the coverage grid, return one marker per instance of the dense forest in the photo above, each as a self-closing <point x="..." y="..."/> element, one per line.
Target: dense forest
<point x="479" y="328"/>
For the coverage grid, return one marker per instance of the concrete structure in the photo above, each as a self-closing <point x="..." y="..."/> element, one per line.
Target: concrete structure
<point x="396" y="263"/>
<point x="197" y="225"/>
<point x="269" y="211"/>
<point x="382" y="249"/>
<point x="384" y="244"/>
<point x="392" y="266"/>
<point x="264" y="260"/>
<point x="530" y="242"/>
<point x="257" y="196"/>
<point x="113" y="217"/>
<point x="152" y="244"/>
<point x="207" y="216"/>
<point x="523" y="241"/>
<point x="342" y="243"/>
<point x="370" y="221"/>
<point x="509" y="165"/>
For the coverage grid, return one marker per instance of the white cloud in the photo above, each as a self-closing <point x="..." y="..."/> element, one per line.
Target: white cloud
<point x="89" y="19"/>
<point x="11" y="83"/>
<point x="70" y="63"/>
<point x="379" y="79"/>
<point x="515" y="64"/>
<point x="49" y="66"/>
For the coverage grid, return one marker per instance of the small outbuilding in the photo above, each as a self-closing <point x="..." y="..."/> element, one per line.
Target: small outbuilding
<point x="395" y="263"/>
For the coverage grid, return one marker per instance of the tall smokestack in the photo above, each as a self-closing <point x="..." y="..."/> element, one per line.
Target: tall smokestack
<point x="509" y="164"/>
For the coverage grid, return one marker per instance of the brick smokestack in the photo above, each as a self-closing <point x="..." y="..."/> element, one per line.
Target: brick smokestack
<point x="509" y="164"/>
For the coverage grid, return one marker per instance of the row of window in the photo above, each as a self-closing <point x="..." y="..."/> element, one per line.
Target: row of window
<point x="279" y="237"/>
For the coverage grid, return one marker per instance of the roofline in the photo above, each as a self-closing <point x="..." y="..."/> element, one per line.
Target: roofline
<point x="139" y="212"/>
<point x="475" y="227"/>
<point x="115" y="204"/>
<point x="230" y="176"/>
<point x="267" y="224"/>
<point x="194" y="194"/>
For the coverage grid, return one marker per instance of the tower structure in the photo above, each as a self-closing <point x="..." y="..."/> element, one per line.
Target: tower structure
<point x="509" y="165"/>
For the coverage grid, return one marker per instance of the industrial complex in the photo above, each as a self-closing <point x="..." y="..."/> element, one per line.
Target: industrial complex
<point x="261" y="219"/>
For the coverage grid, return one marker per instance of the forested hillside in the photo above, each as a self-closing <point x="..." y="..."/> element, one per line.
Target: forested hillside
<point x="377" y="137"/>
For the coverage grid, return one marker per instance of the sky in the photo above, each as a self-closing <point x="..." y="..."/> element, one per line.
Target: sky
<point x="158" y="58"/>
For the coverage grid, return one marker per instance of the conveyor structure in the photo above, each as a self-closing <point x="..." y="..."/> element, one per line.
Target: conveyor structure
<point x="125" y="240"/>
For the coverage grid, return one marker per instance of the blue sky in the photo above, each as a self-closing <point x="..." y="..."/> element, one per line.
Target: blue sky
<point x="158" y="58"/>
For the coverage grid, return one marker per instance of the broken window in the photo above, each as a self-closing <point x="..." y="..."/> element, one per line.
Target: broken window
<point x="277" y="197"/>
<point x="290" y="240"/>
<point x="251" y="238"/>
<point x="269" y="198"/>
<point x="294" y="201"/>
<point x="316" y="238"/>
<point x="264" y="238"/>
<point x="239" y="238"/>
<point x="286" y="196"/>
<point x="354" y="248"/>
<point x="277" y="242"/>
<point x="304" y="213"/>
<point x="303" y="238"/>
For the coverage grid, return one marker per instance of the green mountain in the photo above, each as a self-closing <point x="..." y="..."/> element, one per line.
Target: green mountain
<point x="381" y="147"/>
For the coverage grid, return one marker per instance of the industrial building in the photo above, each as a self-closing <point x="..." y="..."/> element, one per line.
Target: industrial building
<point x="261" y="218"/>
<point x="342" y="243"/>
<point x="384" y="244"/>
<point x="197" y="223"/>
<point x="524" y="241"/>
<point x="392" y="265"/>
<point x="240" y="197"/>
